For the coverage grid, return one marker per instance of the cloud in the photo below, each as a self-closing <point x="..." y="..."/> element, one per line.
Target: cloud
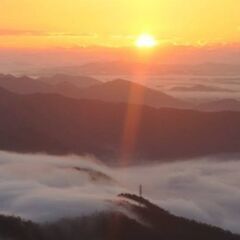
<point x="16" y="32"/>
<point x="32" y="33"/>
<point x="46" y="188"/>
<point x="43" y="188"/>
<point x="202" y="189"/>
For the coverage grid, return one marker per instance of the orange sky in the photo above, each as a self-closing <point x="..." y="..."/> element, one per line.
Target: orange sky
<point x="54" y="23"/>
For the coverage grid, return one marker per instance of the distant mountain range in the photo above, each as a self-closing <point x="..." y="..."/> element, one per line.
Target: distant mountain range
<point x="129" y="92"/>
<point x="118" y="91"/>
<point x="127" y="67"/>
<point x="200" y="88"/>
<point x="26" y="85"/>
<point x="55" y="124"/>
<point x="144" y="221"/>
<point x="23" y="85"/>
<point x="90" y="88"/>
<point x="221" y="105"/>
<point x="66" y="85"/>
<point x="76" y="80"/>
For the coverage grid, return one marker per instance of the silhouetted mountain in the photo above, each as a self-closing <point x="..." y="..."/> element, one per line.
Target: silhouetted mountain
<point x="67" y="89"/>
<point x="78" y="81"/>
<point x="128" y="67"/>
<point x="149" y="223"/>
<point x="23" y="85"/>
<point x="56" y="124"/>
<point x="129" y="92"/>
<point x="221" y="105"/>
<point x="200" y="88"/>
<point x="69" y="86"/>
<point x="115" y="91"/>
<point x="89" y="88"/>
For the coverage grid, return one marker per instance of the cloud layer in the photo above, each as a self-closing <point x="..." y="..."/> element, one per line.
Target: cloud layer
<point x="45" y="188"/>
<point x="206" y="190"/>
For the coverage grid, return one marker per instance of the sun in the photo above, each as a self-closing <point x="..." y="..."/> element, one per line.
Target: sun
<point x="146" y="41"/>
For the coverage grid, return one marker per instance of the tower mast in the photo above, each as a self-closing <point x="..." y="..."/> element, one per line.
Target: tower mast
<point x="140" y="190"/>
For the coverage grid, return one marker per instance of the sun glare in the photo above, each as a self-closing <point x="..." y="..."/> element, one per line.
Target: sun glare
<point x="146" y="41"/>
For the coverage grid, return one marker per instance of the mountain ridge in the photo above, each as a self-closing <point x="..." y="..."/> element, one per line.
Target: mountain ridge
<point x="120" y="90"/>
<point x="152" y="223"/>
<point x="55" y="124"/>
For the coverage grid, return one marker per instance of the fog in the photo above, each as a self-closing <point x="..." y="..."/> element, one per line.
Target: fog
<point x="46" y="188"/>
<point x="204" y="189"/>
<point x="43" y="188"/>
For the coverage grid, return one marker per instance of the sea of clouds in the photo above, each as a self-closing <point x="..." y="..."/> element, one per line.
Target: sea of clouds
<point x="47" y="188"/>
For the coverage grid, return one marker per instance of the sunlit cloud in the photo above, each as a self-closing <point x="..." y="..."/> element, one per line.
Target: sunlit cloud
<point x="30" y="33"/>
